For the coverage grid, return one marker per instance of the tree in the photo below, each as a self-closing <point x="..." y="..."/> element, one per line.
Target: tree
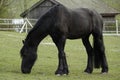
<point x="25" y="4"/>
<point x="2" y="2"/>
<point x="4" y="5"/>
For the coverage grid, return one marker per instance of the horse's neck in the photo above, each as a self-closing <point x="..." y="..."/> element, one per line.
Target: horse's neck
<point x="41" y="28"/>
<point x="30" y="41"/>
<point x="33" y="39"/>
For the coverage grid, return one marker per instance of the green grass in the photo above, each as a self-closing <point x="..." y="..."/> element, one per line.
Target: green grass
<point x="46" y="64"/>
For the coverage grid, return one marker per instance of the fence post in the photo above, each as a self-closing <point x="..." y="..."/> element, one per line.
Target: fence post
<point x="26" y="28"/>
<point x="117" y="31"/>
<point x="25" y="25"/>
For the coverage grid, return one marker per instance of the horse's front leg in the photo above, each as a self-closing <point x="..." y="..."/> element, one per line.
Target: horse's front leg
<point x="62" y="66"/>
<point x="89" y="50"/>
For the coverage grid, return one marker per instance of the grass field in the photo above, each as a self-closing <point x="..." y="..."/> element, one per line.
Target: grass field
<point x="46" y="64"/>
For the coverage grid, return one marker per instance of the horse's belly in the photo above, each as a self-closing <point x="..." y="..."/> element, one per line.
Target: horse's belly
<point x="79" y="33"/>
<point x="75" y="36"/>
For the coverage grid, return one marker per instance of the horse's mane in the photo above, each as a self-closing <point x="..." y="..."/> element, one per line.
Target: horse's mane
<point x="49" y="12"/>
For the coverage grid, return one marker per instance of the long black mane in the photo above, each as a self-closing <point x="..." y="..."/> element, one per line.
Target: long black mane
<point x="48" y="13"/>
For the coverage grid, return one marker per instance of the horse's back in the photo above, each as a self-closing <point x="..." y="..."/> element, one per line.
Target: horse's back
<point x="83" y="21"/>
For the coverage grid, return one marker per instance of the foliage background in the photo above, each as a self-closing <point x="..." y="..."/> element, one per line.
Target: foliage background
<point x="13" y="8"/>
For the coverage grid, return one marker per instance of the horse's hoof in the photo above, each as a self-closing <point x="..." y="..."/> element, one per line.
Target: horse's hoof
<point x="65" y="74"/>
<point x="61" y="74"/>
<point x="26" y="71"/>
<point x="58" y="74"/>
<point x="88" y="71"/>
<point x="104" y="73"/>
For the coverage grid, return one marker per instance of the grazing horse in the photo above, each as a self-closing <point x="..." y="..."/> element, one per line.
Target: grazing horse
<point x="61" y="24"/>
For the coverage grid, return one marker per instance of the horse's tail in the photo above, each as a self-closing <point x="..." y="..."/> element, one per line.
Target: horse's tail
<point x="97" y="58"/>
<point x="97" y="36"/>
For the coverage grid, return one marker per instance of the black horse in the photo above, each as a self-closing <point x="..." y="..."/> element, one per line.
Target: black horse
<point x="61" y="24"/>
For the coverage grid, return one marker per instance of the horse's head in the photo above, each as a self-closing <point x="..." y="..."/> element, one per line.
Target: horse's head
<point x="29" y="56"/>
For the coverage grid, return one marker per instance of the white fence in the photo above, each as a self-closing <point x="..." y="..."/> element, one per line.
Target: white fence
<point x="20" y="25"/>
<point x="11" y="24"/>
<point x="111" y="28"/>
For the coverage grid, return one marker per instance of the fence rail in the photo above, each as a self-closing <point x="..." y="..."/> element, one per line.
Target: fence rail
<point x="111" y="28"/>
<point x="16" y="24"/>
<point x="20" y="25"/>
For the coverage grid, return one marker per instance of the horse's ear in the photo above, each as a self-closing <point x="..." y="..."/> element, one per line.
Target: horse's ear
<point x="23" y="41"/>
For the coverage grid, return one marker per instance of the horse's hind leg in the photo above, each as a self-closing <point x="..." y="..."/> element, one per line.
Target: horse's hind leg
<point x="62" y="66"/>
<point x="99" y="52"/>
<point x="89" y="50"/>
